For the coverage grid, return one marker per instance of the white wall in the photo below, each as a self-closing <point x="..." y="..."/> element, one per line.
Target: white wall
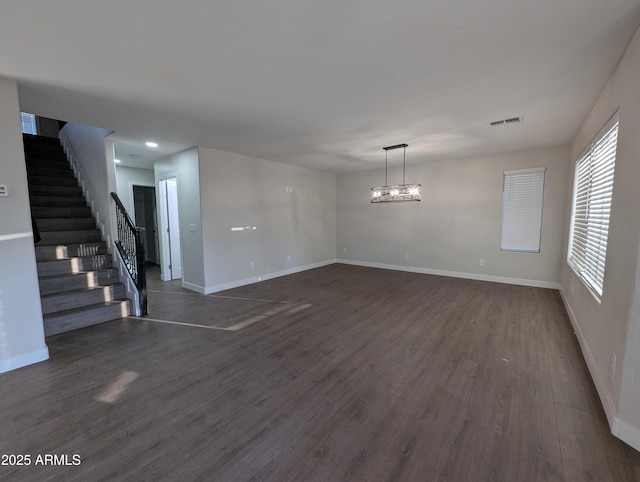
<point x="126" y="178"/>
<point x="184" y="166"/>
<point x="292" y="208"/>
<point x="611" y="327"/>
<point x="457" y="223"/>
<point x="21" y="327"/>
<point x="92" y="159"/>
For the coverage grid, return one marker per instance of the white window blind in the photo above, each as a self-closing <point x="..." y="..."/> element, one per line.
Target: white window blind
<point x="522" y="201"/>
<point x="593" y="189"/>
<point x="28" y="123"/>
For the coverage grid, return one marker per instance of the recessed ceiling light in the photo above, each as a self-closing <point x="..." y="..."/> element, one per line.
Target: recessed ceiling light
<point x="151" y="144"/>
<point x="117" y="161"/>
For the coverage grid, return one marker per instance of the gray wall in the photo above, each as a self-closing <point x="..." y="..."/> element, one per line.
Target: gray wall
<point x="457" y="223"/>
<point x="21" y="329"/>
<point x="92" y="160"/>
<point x="612" y="326"/>
<point x="292" y="208"/>
<point x="48" y="127"/>
<point x="126" y="178"/>
<point x="184" y="167"/>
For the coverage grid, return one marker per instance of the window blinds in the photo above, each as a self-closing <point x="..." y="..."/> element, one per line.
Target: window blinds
<point x="522" y="201"/>
<point x="593" y="189"/>
<point x="28" y="123"/>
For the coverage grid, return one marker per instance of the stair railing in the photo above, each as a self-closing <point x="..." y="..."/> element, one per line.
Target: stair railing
<point x="131" y="249"/>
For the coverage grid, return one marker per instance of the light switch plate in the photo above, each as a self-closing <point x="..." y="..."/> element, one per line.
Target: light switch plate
<point x="4" y="190"/>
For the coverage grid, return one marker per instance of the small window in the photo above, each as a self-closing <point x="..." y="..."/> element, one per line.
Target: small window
<point x="28" y="123"/>
<point x="522" y="201"/>
<point x="591" y="207"/>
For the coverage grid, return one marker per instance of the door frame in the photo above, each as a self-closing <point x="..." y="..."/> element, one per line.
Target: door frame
<point x="164" y="238"/>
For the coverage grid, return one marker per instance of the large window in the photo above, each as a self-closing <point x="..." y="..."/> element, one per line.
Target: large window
<point x="592" y="192"/>
<point x="522" y="200"/>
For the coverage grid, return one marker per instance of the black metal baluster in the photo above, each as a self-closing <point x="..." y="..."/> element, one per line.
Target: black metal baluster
<point x="131" y="249"/>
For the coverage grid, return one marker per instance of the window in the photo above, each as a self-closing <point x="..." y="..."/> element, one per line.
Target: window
<point x="593" y="188"/>
<point x="28" y="123"/>
<point x="522" y="200"/>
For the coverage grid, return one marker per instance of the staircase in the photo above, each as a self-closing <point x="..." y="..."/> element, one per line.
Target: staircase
<point x="78" y="285"/>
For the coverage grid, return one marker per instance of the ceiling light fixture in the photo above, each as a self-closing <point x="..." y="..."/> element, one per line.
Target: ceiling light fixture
<point x="150" y="144"/>
<point x="397" y="192"/>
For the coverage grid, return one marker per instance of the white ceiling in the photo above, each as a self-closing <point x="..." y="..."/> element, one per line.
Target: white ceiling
<point x="323" y="84"/>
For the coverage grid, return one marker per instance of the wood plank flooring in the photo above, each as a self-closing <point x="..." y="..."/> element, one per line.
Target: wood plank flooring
<point x="337" y="373"/>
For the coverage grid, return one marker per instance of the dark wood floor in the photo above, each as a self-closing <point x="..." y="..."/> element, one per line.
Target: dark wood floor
<point x="338" y="373"/>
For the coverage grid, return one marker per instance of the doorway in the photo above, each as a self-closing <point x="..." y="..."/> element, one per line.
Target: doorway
<point x="171" y="263"/>
<point x="144" y="206"/>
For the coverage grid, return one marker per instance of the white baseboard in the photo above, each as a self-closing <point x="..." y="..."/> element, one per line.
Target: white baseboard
<point x="598" y="380"/>
<point x="625" y="432"/>
<point x="266" y="276"/>
<point x="411" y="269"/>
<point x="194" y="287"/>
<point x="455" y="274"/>
<point x="24" y="360"/>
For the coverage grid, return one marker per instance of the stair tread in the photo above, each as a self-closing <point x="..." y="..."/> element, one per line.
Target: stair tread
<point x="51" y="252"/>
<point x="52" y="225"/>
<point x="44" y="200"/>
<point x="77" y="264"/>
<point x="89" y="244"/>
<point x="68" y="235"/>
<point x="76" y="218"/>
<point x="77" y="318"/>
<point x="72" y="311"/>
<point x="61" y="294"/>
<point x="68" y="230"/>
<point x="79" y="273"/>
<point x="69" y="258"/>
<point x="42" y="181"/>
<point x="73" y="212"/>
<point x="50" y="171"/>
<point x="40" y="138"/>
<point x="61" y="191"/>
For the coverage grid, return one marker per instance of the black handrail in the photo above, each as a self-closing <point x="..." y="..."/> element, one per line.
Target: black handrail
<point x="131" y="249"/>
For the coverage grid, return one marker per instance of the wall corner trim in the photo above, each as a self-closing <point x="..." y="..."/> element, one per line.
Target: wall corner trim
<point x="24" y="360"/>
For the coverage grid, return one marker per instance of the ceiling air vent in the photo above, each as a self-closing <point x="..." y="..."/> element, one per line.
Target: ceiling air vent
<point x="513" y="121"/>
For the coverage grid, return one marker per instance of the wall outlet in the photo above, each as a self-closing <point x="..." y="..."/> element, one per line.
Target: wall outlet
<point x="344" y="250"/>
<point x="253" y="265"/>
<point x="4" y="190"/>
<point x="406" y="255"/>
<point x="482" y="262"/>
<point x="288" y="258"/>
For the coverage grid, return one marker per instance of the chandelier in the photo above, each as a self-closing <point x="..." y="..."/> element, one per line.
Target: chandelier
<point x="397" y="192"/>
